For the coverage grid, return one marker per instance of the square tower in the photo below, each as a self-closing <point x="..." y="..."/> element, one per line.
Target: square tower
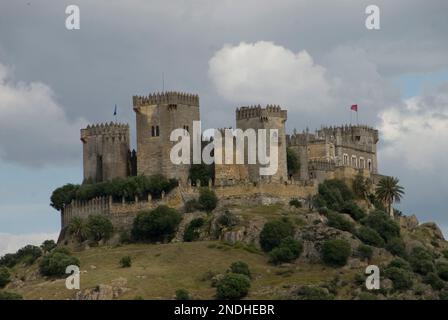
<point x="157" y="115"/>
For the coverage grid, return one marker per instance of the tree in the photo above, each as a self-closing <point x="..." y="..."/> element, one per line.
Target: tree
<point x="201" y="172"/>
<point x="233" y="286"/>
<point x="360" y="186"/>
<point x="274" y="232"/>
<point x="389" y="191"/>
<point x="63" y="196"/>
<point x="207" y="199"/>
<point x="4" y="277"/>
<point x="55" y="263"/>
<point x="336" y="252"/>
<point x="48" y="245"/>
<point x="240" y="267"/>
<point x="156" y="225"/>
<point x="99" y="227"/>
<point x="292" y="162"/>
<point x="77" y="228"/>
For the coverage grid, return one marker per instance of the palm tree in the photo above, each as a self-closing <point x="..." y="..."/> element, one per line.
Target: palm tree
<point x="77" y="228"/>
<point x="389" y="191"/>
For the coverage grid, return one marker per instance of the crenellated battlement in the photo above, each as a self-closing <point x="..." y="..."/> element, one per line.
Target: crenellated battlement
<point x="247" y="112"/>
<point x="170" y="97"/>
<point x="348" y="131"/>
<point x="111" y="129"/>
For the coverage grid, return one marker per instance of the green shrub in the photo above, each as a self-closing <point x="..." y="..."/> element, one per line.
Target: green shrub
<point x="353" y="210"/>
<point x="383" y="224"/>
<point x="28" y="254"/>
<point x="192" y="205"/>
<point x="313" y="293"/>
<point x="227" y="219"/>
<point x="48" y="245"/>
<point x="274" y="232"/>
<point x="336" y="220"/>
<point x="335" y="252"/>
<point x="159" y="224"/>
<point x="421" y="261"/>
<point x="445" y="253"/>
<point x="365" y="252"/>
<point x="99" y="227"/>
<point x="4" y="277"/>
<point x="288" y="250"/>
<point x="6" y="295"/>
<point x="126" y="262"/>
<point x="401" y="278"/>
<point x="360" y="186"/>
<point x="118" y="188"/>
<point x="201" y="172"/>
<point x="8" y="260"/>
<point x="55" y="263"/>
<point x="240" y="267"/>
<point x="400" y="263"/>
<point x="292" y="161"/>
<point x="207" y="199"/>
<point x="433" y="279"/>
<point x="370" y="237"/>
<point x="182" y="294"/>
<point x="442" y="270"/>
<point x="295" y="203"/>
<point x="191" y="232"/>
<point x="396" y="246"/>
<point x="232" y="286"/>
<point x="77" y="228"/>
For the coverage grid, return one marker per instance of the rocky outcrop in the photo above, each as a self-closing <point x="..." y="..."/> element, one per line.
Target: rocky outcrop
<point x="104" y="292"/>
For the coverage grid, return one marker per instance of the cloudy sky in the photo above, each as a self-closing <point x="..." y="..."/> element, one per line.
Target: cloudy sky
<point x="314" y="58"/>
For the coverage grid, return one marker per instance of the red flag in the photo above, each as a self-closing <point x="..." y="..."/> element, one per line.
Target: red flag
<point x="354" y="107"/>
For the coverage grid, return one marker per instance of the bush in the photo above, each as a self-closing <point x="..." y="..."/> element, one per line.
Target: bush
<point x="227" y="219"/>
<point x="126" y="262"/>
<point x="288" y="250"/>
<point x="5" y="295"/>
<point x="191" y="232"/>
<point x="365" y="252"/>
<point x="370" y="237"/>
<point x="127" y="188"/>
<point x="99" y="227"/>
<point x="442" y="270"/>
<point x="232" y="286"/>
<point x="445" y="253"/>
<point x="207" y="199"/>
<point x="383" y="224"/>
<point x="182" y="294"/>
<point x="421" y="261"/>
<point x="396" y="246"/>
<point x="77" y="228"/>
<point x="360" y="186"/>
<point x="292" y="161"/>
<point x="336" y="252"/>
<point x="401" y="264"/>
<point x="28" y="254"/>
<point x="48" y="245"/>
<point x="295" y="203"/>
<point x="55" y="263"/>
<point x="353" y="210"/>
<point x="192" y="205"/>
<point x="274" y="232"/>
<point x="401" y="278"/>
<point x="240" y="267"/>
<point x="4" y="277"/>
<point x="8" y="260"/>
<point x="434" y="281"/>
<point x="336" y="220"/>
<point x="333" y="194"/>
<point x="313" y="293"/>
<point x="201" y="172"/>
<point x="156" y="225"/>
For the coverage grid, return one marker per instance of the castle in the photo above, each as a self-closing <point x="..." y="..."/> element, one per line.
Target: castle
<point x="328" y="153"/>
<point x="107" y="154"/>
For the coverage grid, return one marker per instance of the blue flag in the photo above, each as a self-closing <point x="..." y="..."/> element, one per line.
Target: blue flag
<point x="115" y="111"/>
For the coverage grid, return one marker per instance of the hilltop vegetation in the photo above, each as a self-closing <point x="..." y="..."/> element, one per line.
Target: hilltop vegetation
<point x="295" y="249"/>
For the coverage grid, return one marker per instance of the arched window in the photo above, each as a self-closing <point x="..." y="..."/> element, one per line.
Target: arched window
<point x="354" y="162"/>
<point x="157" y="131"/>
<point x="345" y="159"/>
<point x="362" y="163"/>
<point x="369" y="163"/>
<point x="153" y="131"/>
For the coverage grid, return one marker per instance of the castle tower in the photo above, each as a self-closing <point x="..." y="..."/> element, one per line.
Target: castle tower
<point x="269" y="117"/>
<point x="356" y="146"/>
<point x="105" y="151"/>
<point x="157" y="115"/>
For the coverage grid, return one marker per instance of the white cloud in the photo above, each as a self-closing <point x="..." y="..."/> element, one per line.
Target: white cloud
<point x="34" y="129"/>
<point x="10" y="243"/>
<point x="266" y="73"/>
<point x="416" y="134"/>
